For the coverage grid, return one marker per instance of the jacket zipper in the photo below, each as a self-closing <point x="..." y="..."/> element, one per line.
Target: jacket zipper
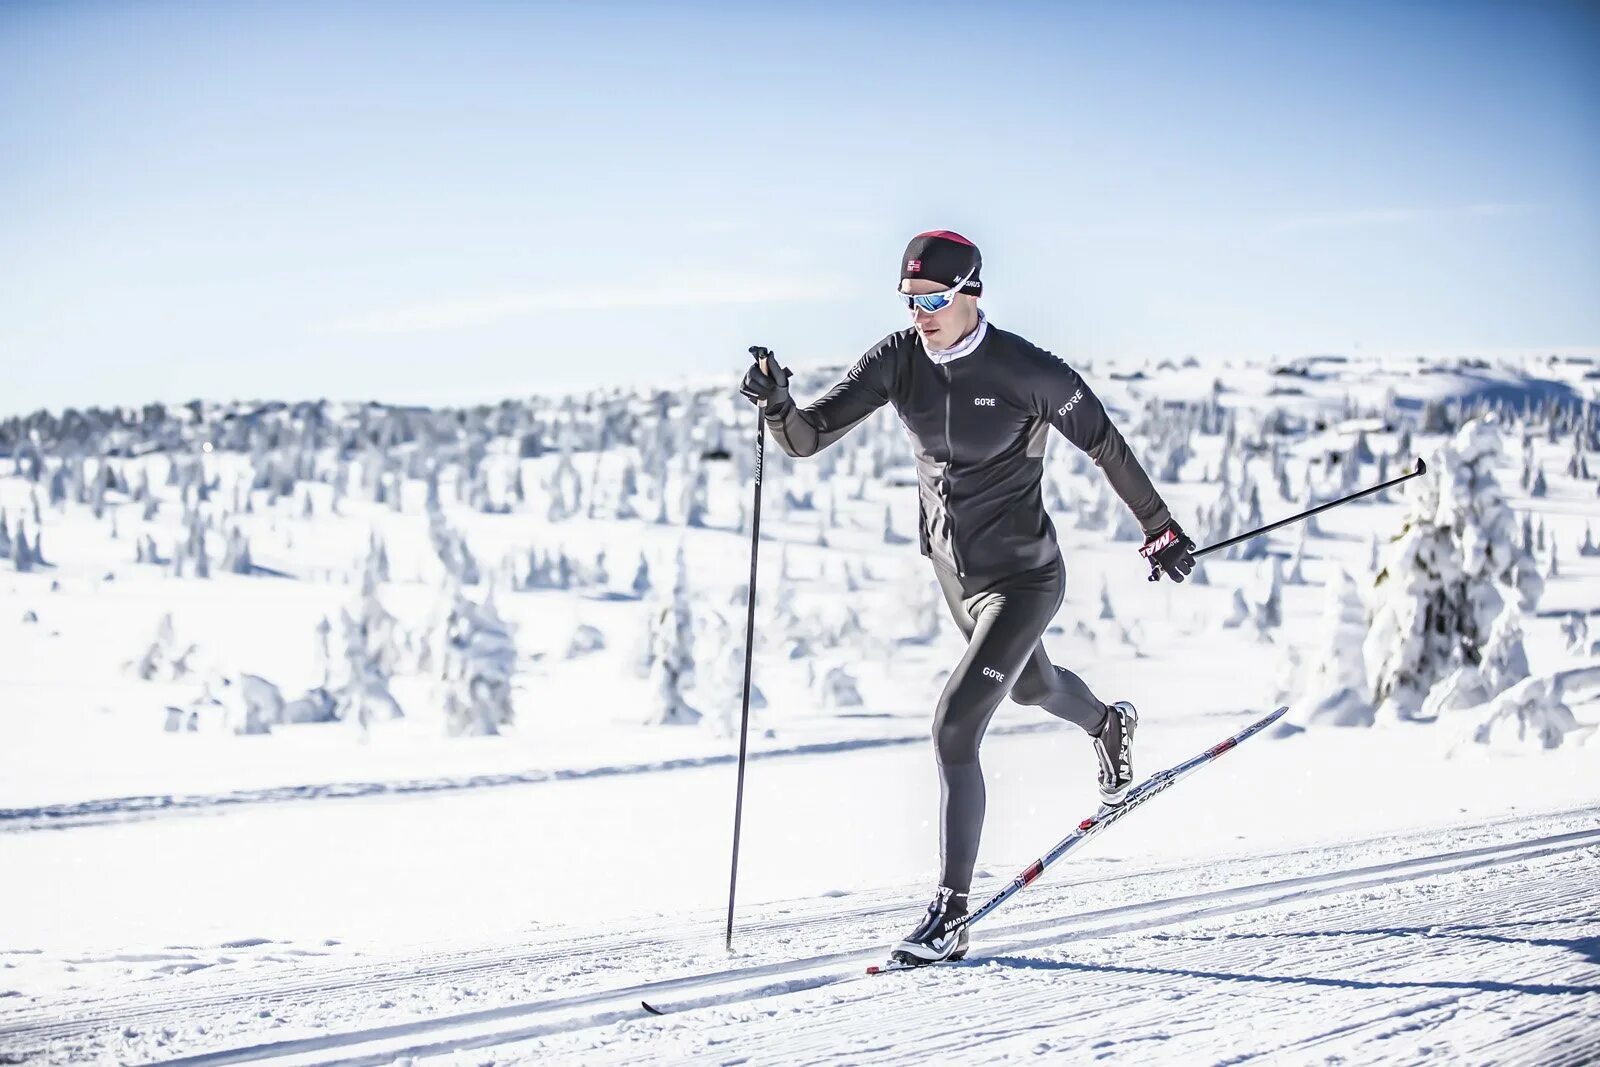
<point x="950" y="449"/>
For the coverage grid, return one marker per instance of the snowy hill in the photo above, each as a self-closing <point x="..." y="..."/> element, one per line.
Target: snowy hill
<point x="352" y="732"/>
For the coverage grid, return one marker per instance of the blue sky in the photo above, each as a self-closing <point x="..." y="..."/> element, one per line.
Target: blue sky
<point x="456" y="201"/>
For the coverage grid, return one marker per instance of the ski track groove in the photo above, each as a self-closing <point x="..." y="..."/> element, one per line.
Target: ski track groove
<point x="1018" y="1017"/>
<point x="1502" y="855"/>
<point x="236" y="994"/>
<point x="68" y="816"/>
<point x="1418" y="1014"/>
<point x="382" y="977"/>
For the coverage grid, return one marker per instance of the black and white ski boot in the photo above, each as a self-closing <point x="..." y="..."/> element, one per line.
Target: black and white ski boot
<point x="1114" y="747"/>
<point x="933" y="941"/>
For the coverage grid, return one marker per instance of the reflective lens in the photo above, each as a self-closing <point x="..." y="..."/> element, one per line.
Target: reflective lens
<point x="932" y="303"/>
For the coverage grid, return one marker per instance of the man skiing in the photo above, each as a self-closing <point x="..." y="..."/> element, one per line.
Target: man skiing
<point x="977" y="403"/>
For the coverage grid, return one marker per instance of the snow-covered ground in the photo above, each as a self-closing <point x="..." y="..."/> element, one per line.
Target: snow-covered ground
<point x="363" y="888"/>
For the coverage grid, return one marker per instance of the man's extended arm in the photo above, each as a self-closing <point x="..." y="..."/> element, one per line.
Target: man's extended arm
<point x="1078" y="414"/>
<point x="865" y="388"/>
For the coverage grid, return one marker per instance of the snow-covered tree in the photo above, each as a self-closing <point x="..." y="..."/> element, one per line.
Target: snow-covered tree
<point x="924" y="607"/>
<point x="1575" y="632"/>
<point x="21" y="551"/>
<point x="255" y="705"/>
<point x="835" y="687"/>
<point x="1533" y="713"/>
<point x="682" y="618"/>
<point x="375" y="569"/>
<point x="165" y="658"/>
<point x="695" y="503"/>
<point x="1296" y="575"/>
<point x="890" y="535"/>
<point x="1239" y="611"/>
<point x="479" y="660"/>
<point x="584" y="640"/>
<point x="671" y="665"/>
<point x="727" y="679"/>
<point x="190" y="555"/>
<point x="1588" y="547"/>
<point x="457" y="559"/>
<point x="1268" y="609"/>
<point x="1335" y="691"/>
<point x="1504" y="662"/>
<point x="236" y="554"/>
<point x="371" y="653"/>
<point x="1447" y="576"/>
<point x="317" y="705"/>
<point x="323" y="647"/>
<point x="641" y="577"/>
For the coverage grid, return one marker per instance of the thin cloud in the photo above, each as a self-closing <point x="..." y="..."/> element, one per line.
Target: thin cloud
<point x="469" y="312"/>
<point x="1387" y="216"/>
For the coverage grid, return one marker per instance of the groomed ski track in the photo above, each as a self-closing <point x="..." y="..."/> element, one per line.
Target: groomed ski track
<point x="1486" y="949"/>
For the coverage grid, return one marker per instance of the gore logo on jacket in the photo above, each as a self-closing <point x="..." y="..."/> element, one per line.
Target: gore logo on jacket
<point x="978" y="426"/>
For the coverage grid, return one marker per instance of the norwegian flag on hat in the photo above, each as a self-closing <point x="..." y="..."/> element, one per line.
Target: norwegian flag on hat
<point x="913" y="266"/>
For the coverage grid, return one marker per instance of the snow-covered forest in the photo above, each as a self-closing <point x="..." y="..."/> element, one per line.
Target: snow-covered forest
<point x="264" y="607"/>
<point x="252" y="568"/>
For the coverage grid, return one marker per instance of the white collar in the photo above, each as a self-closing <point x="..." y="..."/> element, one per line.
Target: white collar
<point x="961" y="347"/>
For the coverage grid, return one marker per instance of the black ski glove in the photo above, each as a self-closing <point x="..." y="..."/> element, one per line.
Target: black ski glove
<point x="771" y="385"/>
<point x="1169" y="550"/>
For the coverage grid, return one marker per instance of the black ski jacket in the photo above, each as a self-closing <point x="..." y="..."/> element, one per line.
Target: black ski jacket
<point x="977" y="424"/>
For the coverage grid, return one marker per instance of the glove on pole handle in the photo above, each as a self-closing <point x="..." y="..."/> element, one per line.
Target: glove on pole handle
<point x="749" y="643"/>
<point x="1421" y="468"/>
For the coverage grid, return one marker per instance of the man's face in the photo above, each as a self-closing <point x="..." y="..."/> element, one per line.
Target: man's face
<point x="946" y="326"/>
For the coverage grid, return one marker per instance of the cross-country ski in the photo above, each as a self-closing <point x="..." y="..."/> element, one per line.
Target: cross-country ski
<point x="1094" y="824"/>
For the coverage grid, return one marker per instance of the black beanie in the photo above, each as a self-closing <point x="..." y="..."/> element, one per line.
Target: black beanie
<point x="943" y="256"/>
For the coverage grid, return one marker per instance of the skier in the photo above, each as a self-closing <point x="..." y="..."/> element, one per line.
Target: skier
<point x="977" y="402"/>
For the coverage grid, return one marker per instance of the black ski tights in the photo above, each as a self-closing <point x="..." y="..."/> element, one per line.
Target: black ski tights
<point x="1003" y="621"/>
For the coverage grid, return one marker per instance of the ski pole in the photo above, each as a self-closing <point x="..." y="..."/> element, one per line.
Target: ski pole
<point x="1421" y="468"/>
<point x="749" y="643"/>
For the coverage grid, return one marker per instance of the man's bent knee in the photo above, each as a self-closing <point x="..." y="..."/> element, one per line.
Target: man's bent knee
<point x="1030" y="692"/>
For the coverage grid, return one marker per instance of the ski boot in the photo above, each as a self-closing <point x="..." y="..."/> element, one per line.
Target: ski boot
<point x="1113" y="745"/>
<point x="933" y="941"/>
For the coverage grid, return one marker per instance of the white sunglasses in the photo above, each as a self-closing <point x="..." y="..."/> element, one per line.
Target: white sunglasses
<point x="936" y="302"/>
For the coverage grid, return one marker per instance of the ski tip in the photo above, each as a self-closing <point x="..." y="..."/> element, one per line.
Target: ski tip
<point x="652" y="1010"/>
<point x="874" y="969"/>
